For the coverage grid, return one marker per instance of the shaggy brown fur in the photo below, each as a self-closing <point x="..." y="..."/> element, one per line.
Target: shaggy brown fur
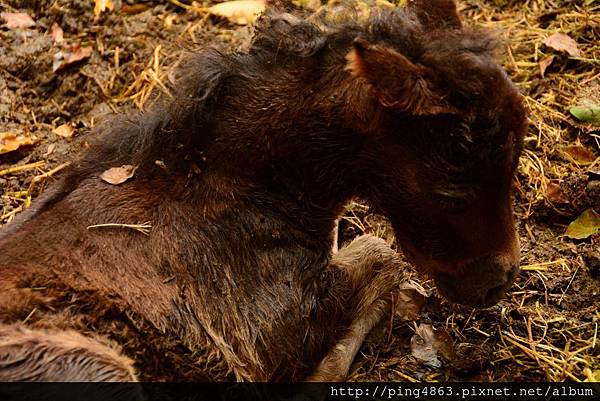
<point x="262" y="150"/>
<point x="27" y="355"/>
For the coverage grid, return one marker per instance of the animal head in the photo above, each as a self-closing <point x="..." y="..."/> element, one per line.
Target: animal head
<point x="444" y="136"/>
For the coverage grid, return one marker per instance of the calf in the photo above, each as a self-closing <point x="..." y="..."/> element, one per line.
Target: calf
<point x="242" y="176"/>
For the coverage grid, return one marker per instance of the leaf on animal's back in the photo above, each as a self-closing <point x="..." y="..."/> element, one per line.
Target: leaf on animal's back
<point x="241" y="12"/>
<point x="544" y="64"/>
<point x="17" y="20"/>
<point x="411" y="299"/>
<point x="579" y="154"/>
<point x="118" y="175"/>
<point x="428" y="345"/>
<point x="563" y="43"/>
<point x="10" y="142"/>
<point x="65" y="130"/>
<point x="65" y="58"/>
<point x="589" y="113"/>
<point x="586" y="225"/>
<point x="102" y="5"/>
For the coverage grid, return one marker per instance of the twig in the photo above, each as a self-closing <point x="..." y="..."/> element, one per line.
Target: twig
<point x="144" y="228"/>
<point x="39" y="178"/>
<point x="24" y="167"/>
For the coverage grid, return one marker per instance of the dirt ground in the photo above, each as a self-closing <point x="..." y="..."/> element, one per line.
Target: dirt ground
<point x="545" y="329"/>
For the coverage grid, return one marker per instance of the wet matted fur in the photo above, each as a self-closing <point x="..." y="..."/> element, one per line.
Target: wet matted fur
<point x="243" y="175"/>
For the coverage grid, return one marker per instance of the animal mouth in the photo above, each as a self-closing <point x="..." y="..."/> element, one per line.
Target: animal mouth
<point x="478" y="290"/>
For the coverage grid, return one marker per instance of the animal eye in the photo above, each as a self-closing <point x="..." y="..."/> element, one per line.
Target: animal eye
<point x="451" y="204"/>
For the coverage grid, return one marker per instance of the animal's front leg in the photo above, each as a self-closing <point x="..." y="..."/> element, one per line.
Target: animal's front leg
<point x="371" y="270"/>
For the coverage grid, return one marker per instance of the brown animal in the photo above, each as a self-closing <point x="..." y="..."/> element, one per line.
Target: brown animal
<point x="243" y="176"/>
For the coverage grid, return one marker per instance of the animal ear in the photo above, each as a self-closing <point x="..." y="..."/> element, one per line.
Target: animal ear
<point x="399" y="83"/>
<point x="435" y="14"/>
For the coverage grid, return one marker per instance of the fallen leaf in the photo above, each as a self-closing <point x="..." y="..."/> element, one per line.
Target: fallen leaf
<point x="428" y="345"/>
<point x="56" y="33"/>
<point x="589" y="113"/>
<point x="544" y="64"/>
<point x="101" y="5"/>
<point x="586" y="225"/>
<point x="388" y="4"/>
<point x="411" y="299"/>
<point x="169" y="21"/>
<point x="580" y="154"/>
<point x="133" y="8"/>
<point x="65" y="58"/>
<point x="241" y="12"/>
<point x="50" y="149"/>
<point x="65" y="130"/>
<point x="17" y="20"/>
<point x="563" y="43"/>
<point x="312" y="5"/>
<point x="594" y="376"/>
<point x="555" y="194"/>
<point x="118" y="175"/>
<point x="10" y="142"/>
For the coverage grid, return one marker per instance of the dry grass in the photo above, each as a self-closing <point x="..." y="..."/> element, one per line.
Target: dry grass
<point x="547" y="329"/>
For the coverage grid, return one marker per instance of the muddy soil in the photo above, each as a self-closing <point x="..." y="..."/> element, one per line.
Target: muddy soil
<point x="546" y="328"/>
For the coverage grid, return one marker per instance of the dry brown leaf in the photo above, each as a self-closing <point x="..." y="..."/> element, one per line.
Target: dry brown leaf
<point x="580" y="154"/>
<point x="50" y="149"/>
<point x="411" y="299"/>
<point x="563" y="43"/>
<point x="10" y="142"/>
<point x="241" y="12"/>
<point x="544" y="64"/>
<point x="102" y="5"/>
<point x="118" y="175"/>
<point x="17" y="20"/>
<point x="56" y="33"/>
<point x="429" y="344"/>
<point x="65" y="58"/>
<point x="133" y="8"/>
<point x="65" y="130"/>
<point x="555" y="194"/>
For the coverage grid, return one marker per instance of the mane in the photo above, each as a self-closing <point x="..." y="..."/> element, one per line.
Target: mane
<point x="176" y="130"/>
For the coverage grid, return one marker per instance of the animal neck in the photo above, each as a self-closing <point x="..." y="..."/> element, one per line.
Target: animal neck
<point x="293" y="135"/>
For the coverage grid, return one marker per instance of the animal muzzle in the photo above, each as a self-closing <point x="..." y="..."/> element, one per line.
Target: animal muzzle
<point x="481" y="283"/>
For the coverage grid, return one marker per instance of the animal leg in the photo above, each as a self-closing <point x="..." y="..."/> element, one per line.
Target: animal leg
<point x="66" y="356"/>
<point x="373" y="271"/>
